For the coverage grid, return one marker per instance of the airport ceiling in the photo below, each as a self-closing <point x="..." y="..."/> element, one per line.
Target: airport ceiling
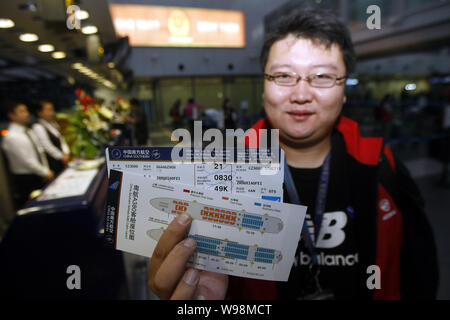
<point x="47" y="19"/>
<point x="426" y="30"/>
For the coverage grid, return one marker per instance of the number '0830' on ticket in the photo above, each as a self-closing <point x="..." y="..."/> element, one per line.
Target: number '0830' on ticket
<point x="235" y="234"/>
<point x="250" y="177"/>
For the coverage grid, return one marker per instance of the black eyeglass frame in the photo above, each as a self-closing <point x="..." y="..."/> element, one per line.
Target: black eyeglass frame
<point x="308" y="79"/>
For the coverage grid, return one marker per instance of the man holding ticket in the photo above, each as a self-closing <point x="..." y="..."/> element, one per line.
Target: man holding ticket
<point x="365" y="235"/>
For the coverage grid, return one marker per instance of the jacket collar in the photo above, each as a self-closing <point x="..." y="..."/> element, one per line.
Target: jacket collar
<point x="364" y="150"/>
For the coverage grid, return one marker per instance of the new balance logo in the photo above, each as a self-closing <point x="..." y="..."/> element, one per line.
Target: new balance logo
<point x="328" y="259"/>
<point x="385" y="205"/>
<point x="389" y="215"/>
<point x="331" y="234"/>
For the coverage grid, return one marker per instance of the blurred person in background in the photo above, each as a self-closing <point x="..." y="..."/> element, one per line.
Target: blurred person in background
<point x="229" y="115"/>
<point x="175" y="114"/>
<point x="190" y="115"/>
<point x="140" y="125"/>
<point x="26" y="156"/>
<point x="384" y="115"/>
<point x="50" y="137"/>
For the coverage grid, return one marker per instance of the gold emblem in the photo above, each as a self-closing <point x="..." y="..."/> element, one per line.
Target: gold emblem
<point x="178" y="24"/>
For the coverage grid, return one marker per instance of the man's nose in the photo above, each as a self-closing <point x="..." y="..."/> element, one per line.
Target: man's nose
<point x="302" y="92"/>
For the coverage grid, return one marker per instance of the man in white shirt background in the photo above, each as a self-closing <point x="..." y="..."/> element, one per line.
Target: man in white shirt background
<point x="26" y="157"/>
<point x="48" y="132"/>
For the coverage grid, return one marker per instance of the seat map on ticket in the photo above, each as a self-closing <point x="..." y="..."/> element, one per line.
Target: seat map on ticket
<point x="236" y="234"/>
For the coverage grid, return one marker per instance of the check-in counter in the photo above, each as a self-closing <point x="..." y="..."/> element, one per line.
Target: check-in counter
<point x="62" y="228"/>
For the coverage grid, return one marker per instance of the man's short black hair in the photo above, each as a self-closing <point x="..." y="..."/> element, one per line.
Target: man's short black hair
<point x="317" y="25"/>
<point x="10" y="105"/>
<point x="38" y="105"/>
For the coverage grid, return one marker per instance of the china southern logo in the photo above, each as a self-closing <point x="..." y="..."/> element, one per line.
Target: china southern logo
<point x="116" y="153"/>
<point x="115" y="185"/>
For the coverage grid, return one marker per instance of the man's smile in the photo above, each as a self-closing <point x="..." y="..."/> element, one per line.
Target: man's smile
<point x="300" y="115"/>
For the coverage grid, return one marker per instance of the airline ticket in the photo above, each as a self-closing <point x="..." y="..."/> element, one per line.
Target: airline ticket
<point x="244" y="175"/>
<point x="235" y="234"/>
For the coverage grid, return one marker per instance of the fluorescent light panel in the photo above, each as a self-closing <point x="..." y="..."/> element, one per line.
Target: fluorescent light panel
<point x="46" y="48"/>
<point x="6" y="23"/>
<point x="28" y="37"/>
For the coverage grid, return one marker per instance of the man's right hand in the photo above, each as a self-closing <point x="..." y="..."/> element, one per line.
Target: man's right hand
<point x="65" y="159"/>
<point x="168" y="276"/>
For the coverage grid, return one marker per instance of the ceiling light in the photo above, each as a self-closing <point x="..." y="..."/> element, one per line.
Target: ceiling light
<point x="28" y="37"/>
<point x="28" y="6"/>
<point x="410" y="87"/>
<point x="84" y="70"/>
<point x="58" y="55"/>
<point x="46" y="48"/>
<point x="111" y="65"/>
<point x="352" y="82"/>
<point x="89" y="29"/>
<point x="81" y="15"/>
<point x="6" y="23"/>
<point x="77" y="65"/>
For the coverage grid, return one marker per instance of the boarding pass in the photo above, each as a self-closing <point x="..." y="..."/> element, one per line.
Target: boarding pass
<point x="235" y="234"/>
<point x="242" y="175"/>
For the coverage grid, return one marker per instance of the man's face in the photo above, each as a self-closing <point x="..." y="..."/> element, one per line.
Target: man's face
<point x="20" y="115"/>
<point x="303" y="114"/>
<point x="48" y="112"/>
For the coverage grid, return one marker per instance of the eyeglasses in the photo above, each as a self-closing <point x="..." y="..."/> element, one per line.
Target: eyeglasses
<point x="319" y="80"/>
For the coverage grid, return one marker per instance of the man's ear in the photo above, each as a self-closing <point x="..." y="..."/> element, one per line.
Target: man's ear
<point x="344" y="100"/>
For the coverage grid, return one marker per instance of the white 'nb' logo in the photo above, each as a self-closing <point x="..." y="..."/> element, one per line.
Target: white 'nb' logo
<point x="331" y="234"/>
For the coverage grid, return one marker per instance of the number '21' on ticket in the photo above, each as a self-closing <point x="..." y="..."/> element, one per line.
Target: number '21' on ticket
<point x="249" y="176"/>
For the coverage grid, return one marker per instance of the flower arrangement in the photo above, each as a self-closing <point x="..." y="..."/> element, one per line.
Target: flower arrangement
<point x="122" y="110"/>
<point x="88" y="129"/>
